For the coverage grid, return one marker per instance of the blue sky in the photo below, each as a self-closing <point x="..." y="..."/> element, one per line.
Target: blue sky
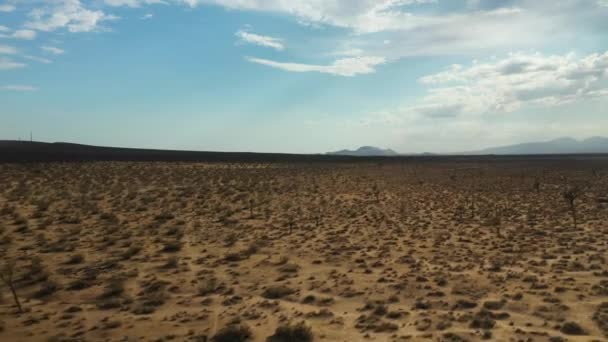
<point x="303" y="76"/>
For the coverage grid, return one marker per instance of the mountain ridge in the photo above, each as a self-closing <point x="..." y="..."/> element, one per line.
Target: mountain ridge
<point x="563" y="145"/>
<point x="365" y="151"/>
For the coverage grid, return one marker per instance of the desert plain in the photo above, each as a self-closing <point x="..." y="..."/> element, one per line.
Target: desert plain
<point x="420" y="249"/>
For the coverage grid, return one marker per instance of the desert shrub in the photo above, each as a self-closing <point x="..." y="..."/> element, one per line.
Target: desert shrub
<point x="130" y="252"/>
<point x="236" y="256"/>
<point x="173" y="231"/>
<point x="152" y="294"/>
<point x="143" y="309"/>
<point x="231" y="239"/>
<point x="380" y="310"/>
<point x="253" y="248"/>
<point x="80" y="284"/>
<point x="108" y="304"/>
<point x="172" y="247"/>
<point x="292" y="333"/>
<point x="277" y="292"/>
<point x="108" y="217"/>
<point x="463" y="304"/>
<point x="46" y="289"/>
<point x="600" y="317"/>
<point x="164" y="217"/>
<point x="75" y="259"/>
<point x="289" y="268"/>
<point x="482" y="320"/>
<point x="5" y="240"/>
<point x="494" y="305"/>
<point x="451" y="337"/>
<point x="572" y="328"/>
<point x="114" y="288"/>
<point x="233" y="333"/>
<point x="310" y="299"/>
<point x="171" y="262"/>
<point x="34" y="273"/>
<point x="208" y="286"/>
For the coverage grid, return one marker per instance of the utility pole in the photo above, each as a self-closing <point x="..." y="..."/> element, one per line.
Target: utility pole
<point x="31" y="137"/>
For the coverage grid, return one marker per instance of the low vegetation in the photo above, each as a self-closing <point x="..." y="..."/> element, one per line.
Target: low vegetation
<point x="504" y="249"/>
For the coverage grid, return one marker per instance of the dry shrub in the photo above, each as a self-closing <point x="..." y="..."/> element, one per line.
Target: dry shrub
<point x="292" y="333"/>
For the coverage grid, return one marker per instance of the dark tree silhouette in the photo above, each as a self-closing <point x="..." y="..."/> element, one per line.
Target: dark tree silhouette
<point x="7" y="275"/>
<point x="571" y="195"/>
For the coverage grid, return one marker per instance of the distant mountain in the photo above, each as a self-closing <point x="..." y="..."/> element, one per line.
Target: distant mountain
<point x="365" y="151"/>
<point x="557" y="146"/>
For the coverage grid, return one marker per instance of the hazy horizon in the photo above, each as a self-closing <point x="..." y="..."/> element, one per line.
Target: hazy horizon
<point x="347" y="149"/>
<point x="303" y="76"/>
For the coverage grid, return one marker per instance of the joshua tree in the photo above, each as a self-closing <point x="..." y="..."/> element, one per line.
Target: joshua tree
<point x="496" y="219"/>
<point x="571" y="195"/>
<point x="290" y="215"/>
<point x="291" y="221"/>
<point x="459" y="213"/>
<point x="252" y="202"/>
<point x="7" y="275"/>
<point x="402" y="206"/>
<point x="376" y="192"/>
<point x="318" y="211"/>
<point x="472" y="204"/>
<point x="536" y="185"/>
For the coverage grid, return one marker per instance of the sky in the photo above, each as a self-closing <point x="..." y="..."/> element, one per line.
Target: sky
<point x="303" y="76"/>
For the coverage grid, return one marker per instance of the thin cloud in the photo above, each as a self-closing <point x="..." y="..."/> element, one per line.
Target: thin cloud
<point x="19" y="88"/>
<point x="24" y="34"/>
<point x="7" y="50"/>
<point x="133" y="3"/>
<point x="347" y="67"/>
<point x="265" y="41"/>
<point x="9" y="64"/>
<point x="53" y="50"/>
<point x="7" y="8"/>
<point x="38" y="59"/>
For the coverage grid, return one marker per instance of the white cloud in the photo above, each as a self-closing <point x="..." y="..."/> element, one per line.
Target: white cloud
<point x="603" y="3"/>
<point x="24" y="34"/>
<point x="37" y="59"/>
<point x="348" y="52"/>
<point x="475" y="26"/>
<point x="133" y="3"/>
<point x="53" y="50"/>
<point x="509" y="84"/>
<point x="147" y="16"/>
<point x="70" y="14"/>
<point x="389" y="28"/>
<point x="252" y="38"/>
<point x="7" y="8"/>
<point x="8" y="64"/>
<point x="4" y="29"/>
<point x="361" y="15"/>
<point x="341" y="67"/>
<point x="20" y="88"/>
<point x="7" y="50"/>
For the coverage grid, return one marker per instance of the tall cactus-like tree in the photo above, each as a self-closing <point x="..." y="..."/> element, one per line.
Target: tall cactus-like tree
<point x="7" y="276"/>
<point x="570" y="196"/>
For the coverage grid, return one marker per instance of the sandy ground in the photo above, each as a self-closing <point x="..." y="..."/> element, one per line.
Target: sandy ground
<point x="437" y="251"/>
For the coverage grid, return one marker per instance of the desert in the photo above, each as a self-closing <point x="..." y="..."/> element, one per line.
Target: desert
<point x="409" y="249"/>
